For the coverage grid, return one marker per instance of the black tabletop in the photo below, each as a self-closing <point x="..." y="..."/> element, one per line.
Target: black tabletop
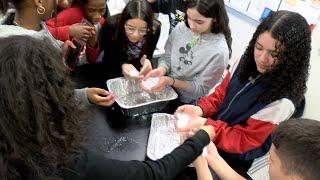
<point x="123" y="138"/>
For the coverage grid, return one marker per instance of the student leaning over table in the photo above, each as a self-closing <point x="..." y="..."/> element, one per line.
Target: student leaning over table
<point x="128" y="41"/>
<point x="197" y="51"/>
<point x="260" y="92"/>
<point x="28" y="18"/>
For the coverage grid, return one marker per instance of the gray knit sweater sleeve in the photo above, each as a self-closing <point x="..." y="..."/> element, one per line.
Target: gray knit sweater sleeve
<point x="81" y="96"/>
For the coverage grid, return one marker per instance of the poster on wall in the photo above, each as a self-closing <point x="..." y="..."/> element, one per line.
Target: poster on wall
<point x="257" y="8"/>
<point x="310" y="9"/>
<point x="239" y="5"/>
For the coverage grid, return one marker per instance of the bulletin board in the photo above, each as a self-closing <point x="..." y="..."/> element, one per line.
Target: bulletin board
<point x="310" y="9"/>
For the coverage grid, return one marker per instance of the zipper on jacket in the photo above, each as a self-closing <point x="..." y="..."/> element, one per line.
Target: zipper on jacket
<point x="251" y="81"/>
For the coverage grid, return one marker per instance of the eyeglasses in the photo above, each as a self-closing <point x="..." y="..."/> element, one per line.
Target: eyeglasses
<point x="130" y="29"/>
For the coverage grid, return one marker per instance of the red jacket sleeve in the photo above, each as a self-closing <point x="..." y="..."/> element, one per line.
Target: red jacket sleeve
<point x="59" y="26"/>
<point x="209" y="104"/>
<point x="241" y="138"/>
<point x="92" y="53"/>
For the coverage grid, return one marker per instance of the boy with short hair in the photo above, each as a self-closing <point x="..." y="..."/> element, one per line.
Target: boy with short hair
<point x="294" y="154"/>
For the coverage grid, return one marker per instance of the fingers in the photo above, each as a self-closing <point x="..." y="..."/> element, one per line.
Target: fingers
<point x="100" y="96"/>
<point x="145" y="68"/>
<point x="152" y="73"/>
<point x="82" y="53"/>
<point x="180" y="109"/>
<point x="144" y="57"/>
<point x="100" y="91"/>
<point x="66" y="45"/>
<point x="106" y="101"/>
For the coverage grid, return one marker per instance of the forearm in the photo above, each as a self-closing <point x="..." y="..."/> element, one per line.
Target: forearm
<point x="222" y="169"/>
<point x="170" y="165"/>
<point x="203" y="172"/>
<point x="176" y="83"/>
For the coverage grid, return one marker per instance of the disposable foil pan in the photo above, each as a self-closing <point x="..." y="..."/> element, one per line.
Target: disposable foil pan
<point x="134" y="101"/>
<point x="162" y="138"/>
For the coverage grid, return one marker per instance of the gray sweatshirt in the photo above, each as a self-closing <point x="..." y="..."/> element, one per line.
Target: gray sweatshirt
<point x="200" y="63"/>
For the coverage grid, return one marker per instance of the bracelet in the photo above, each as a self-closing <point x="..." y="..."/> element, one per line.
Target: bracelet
<point x="173" y="81"/>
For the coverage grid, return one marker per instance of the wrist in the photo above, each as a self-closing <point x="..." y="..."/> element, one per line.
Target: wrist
<point x="162" y="70"/>
<point x="172" y="81"/>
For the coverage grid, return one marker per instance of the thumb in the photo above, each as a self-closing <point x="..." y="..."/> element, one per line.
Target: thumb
<point x="100" y="91"/>
<point x="143" y="59"/>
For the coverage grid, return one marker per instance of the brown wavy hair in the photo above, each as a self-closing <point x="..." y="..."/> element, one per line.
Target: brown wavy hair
<point x="40" y="122"/>
<point x="293" y="44"/>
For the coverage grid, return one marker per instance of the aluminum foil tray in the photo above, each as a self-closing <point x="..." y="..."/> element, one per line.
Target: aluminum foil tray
<point x="162" y="138"/>
<point x="134" y="101"/>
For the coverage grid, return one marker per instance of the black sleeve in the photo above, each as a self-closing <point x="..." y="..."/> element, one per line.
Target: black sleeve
<point x="111" y="64"/>
<point x="107" y="32"/>
<point x="166" y="168"/>
<point x="161" y="6"/>
<point x="154" y="39"/>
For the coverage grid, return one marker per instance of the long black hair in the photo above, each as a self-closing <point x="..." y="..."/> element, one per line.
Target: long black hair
<point x="139" y="9"/>
<point x="40" y="123"/>
<point x="213" y="9"/>
<point x="293" y="44"/>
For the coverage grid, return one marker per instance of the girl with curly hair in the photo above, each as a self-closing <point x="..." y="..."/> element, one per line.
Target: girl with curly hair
<point x="42" y="125"/>
<point x="259" y="93"/>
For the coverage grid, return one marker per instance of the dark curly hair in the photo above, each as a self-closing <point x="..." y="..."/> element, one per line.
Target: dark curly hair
<point x="293" y="44"/>
<point x="40" y="124"/>
<point x="213" y="9"/>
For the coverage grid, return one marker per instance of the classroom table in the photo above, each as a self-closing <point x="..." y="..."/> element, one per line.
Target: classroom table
<point x="123" y="139"/>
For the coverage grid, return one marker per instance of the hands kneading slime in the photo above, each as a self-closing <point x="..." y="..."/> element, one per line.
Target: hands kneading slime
<point x="150" y="82"/>
<point x="182" y="121"/>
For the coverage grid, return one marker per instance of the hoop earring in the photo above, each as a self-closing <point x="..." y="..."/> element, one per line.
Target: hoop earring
<point x="41" y="10"/>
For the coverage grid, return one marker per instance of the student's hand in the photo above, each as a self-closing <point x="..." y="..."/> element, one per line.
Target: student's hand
<point x="200" y="162"/>
<point x="189" y="109"/>
<point x="195" y="122"/>
<point x="212" y="153"/>
<point x="163" y="82"/>
<point x="126" y="69"/>
<point x="66" y="45"/>
<point x="82" y="54"/>
<point x="93" y="40"/>
<point x="146" y="66"/>
<point x="186" y="134"/>
<point x="100" y="96"/>
<point x="202" y="169"/>
<point x="81" y="30"/>
<point x="158" y="72"/>
<point x="151" y="1"/>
